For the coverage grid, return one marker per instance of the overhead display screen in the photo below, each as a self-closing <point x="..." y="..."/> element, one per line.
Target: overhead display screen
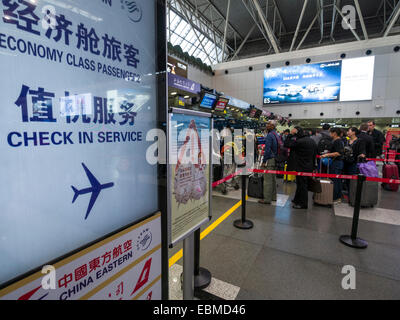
<point x="208" y="101"/>
<point x="344" y="80"/>
<point x="221" y="104"/>
<point x="77" y="102"/>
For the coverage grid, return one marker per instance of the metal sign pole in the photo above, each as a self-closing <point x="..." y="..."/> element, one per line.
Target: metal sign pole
<point x="188" y="267"/>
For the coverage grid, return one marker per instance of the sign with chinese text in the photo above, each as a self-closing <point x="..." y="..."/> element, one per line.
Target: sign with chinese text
<point x="125" y="266"/>
<point x="181" y="83"/>
<point x="189" y="173"/>
<point x="78" y="98"/>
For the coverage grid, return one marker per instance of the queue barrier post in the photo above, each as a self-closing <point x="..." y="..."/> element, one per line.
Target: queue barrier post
<point x="243" y="223"/>
<point x="202" y="277"/>
<point x="353" y="241"/>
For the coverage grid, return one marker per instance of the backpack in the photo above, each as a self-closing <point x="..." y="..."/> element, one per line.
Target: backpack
<point x="326" y="143"/>
<point x="282" y="152"/>
<point x="348" y="155"/>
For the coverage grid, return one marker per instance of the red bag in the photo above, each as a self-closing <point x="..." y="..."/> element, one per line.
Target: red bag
<point x="390" y="171"/>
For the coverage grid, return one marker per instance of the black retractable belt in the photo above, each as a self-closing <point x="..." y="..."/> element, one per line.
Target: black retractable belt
<point x="353" y="241"/>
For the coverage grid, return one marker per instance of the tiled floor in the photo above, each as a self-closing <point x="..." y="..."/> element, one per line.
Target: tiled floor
<point x="296" y="254"/>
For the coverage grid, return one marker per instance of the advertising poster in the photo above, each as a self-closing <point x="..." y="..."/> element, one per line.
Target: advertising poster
<point x="125" y="266"/>
<point x="189" y="173"/>
<point x="318" y="82"/>
<point x="78" y="96"/>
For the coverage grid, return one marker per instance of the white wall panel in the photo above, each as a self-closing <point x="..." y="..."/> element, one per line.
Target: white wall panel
<point x="248" y="86"/>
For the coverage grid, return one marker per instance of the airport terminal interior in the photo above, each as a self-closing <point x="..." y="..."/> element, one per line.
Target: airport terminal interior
<point x="222" y="150"/>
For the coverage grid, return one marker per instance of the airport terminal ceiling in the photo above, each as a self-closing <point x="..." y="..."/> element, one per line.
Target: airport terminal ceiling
<point x="262" y="27"/>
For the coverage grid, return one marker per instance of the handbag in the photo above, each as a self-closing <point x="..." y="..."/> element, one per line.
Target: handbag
<point x="368" y="169"/>
<point x="314" y="185"/>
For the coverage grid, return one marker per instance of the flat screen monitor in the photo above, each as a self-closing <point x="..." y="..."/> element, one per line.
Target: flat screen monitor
<point x="221" y="104"/>
<point x="208" y="101"/>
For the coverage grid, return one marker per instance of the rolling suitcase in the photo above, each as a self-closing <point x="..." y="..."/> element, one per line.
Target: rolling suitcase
<point x="255" y="187"/>
<point x="325" y="198"/>
<point x="390" y="171"/>
<point x="369" y="195"/>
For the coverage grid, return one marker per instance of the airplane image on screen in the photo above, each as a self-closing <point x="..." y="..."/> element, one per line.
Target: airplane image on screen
<point x="94" y="190"/>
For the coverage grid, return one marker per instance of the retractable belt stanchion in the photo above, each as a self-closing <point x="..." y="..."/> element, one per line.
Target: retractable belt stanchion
<point x="353" y="241"/>
<point x="202" y="277"/>
<point x="188" y="267"/>
<point x="243" y="223"/>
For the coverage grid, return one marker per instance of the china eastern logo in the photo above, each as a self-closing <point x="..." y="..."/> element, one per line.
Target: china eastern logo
<point x="133" y="9"/>
<point x="144" y="240"/>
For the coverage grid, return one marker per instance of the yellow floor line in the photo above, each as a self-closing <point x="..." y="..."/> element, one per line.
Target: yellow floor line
<point x="175" y="258"/>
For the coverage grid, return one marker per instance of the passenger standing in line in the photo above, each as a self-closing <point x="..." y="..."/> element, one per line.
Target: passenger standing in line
<point x="323" y="134"/>
<point x="369" y="141"/>
<point x="336" y="155"/>
<point x="354" y="149"/>
<point x="314" y="136"/>
<point x="269" y="163"/>
<point x="285" y="134"/>
<point x="302" y="158"/>
<point x="377" y="136"/>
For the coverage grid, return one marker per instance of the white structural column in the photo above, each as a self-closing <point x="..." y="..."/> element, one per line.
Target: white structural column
<point x="299" y="24"/>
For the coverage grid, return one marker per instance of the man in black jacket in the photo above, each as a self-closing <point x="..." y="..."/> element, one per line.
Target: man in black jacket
<point x="369" y="141"/>
<point x="303" y="155"/>
<point x="377" y="136"/>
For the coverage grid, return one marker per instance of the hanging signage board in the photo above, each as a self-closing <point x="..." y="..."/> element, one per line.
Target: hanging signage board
<point x="79" y="94"/>
<point x="177" y="82"/>
<point x="124" y="266"/>
<point x="189" y="172"/>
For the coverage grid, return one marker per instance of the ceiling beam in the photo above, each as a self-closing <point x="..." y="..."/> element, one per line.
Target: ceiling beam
<point x="244" y="41"/>
<point x="224" y="18"/>
<point x="334" y="18"/>
<point x="392" y="20"/>
<point x="364" y="29"/>
<point x="226" y="29"/>
<point x="299" y="24"/>
<point x="189" y="20"/>
<point x="347" y="23"/>
<point x="250" y="8"/>
<point x="267" y="27"/>
<point x="308" y="31"/>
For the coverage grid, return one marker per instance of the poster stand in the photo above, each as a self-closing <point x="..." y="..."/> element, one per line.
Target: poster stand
<point x="189" y="184"/>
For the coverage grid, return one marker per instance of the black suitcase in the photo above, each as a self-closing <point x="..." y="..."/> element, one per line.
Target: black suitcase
<point x="255" y="188"/>
<point x="217" y="172"/>
<point x="369" y="195"/>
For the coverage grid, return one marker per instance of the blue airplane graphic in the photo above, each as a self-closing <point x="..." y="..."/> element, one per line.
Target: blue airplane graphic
<point x="94" y="190"/>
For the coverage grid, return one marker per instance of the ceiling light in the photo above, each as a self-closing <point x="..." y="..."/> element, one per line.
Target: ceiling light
<point x="174" y="93"/>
